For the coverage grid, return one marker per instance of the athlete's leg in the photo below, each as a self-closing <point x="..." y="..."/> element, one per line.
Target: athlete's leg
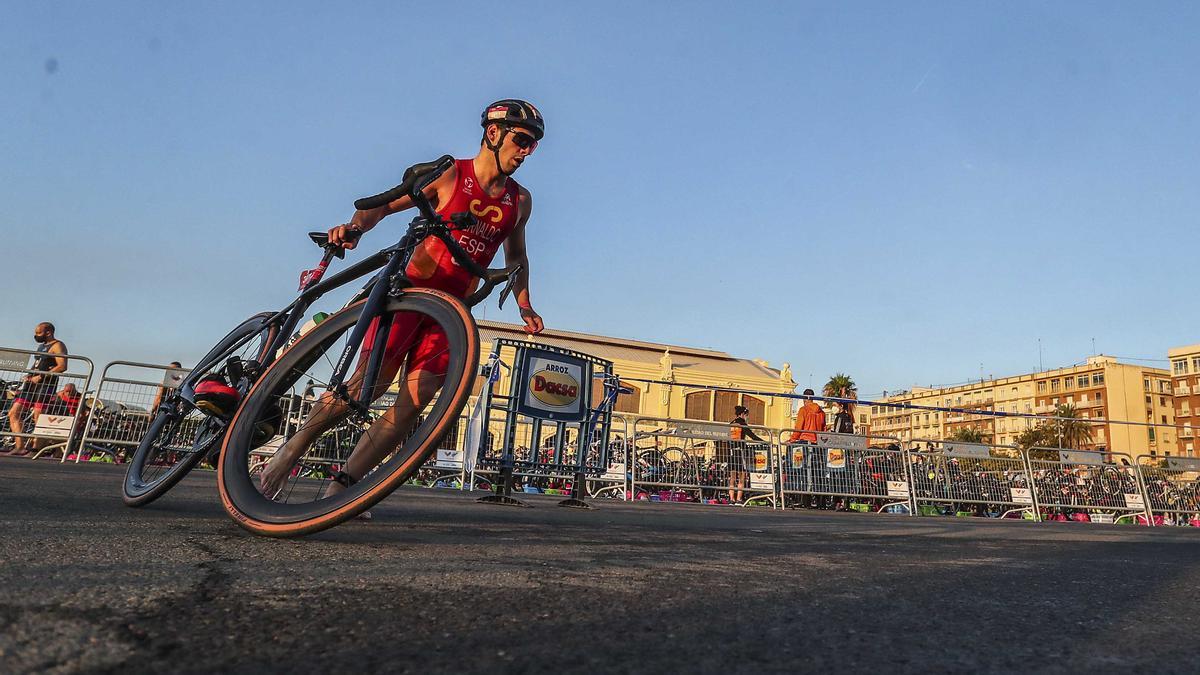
<point x="423" y="378"/>
<point x="329" y="409"/>
<point x="390" y="430"/>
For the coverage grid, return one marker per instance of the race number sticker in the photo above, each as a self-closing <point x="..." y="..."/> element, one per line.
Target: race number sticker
<point x="897" y="488"/>
<point x="1020" y="495"/>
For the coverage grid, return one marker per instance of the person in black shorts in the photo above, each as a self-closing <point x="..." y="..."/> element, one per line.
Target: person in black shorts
<point x="38" y="390"/>
<point x="741" y="458"/>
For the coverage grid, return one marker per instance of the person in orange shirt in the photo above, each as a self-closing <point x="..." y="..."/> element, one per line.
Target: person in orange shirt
<point x="809" y="420"/>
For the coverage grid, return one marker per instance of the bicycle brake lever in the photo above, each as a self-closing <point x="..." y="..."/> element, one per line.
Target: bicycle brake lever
<point x="508" y="285"/>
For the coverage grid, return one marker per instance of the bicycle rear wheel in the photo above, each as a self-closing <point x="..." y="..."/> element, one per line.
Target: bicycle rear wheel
<point x="304" y="505"/>
<point x="181" y="435"/>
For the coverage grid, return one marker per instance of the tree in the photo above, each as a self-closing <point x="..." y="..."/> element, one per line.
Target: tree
<point x="1070" y="431"/>
<point x="1032" y="437"/>
<point x="967" y="435"/>
<point x="840" y="386"/>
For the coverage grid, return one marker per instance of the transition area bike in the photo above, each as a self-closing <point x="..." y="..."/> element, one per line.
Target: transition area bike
<point x="267" y="368"/>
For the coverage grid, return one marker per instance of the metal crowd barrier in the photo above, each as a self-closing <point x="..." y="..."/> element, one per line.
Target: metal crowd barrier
<point x="48" y="418"/>
<point x="974" y="478"/>
<point x="613" y="482"/>
<point x="689" y="461"/>
<point x="122" y="406"/>
<point x="1172" y="488"/>
<point x="845" y="466"/>
<point x="1085" y="481"/>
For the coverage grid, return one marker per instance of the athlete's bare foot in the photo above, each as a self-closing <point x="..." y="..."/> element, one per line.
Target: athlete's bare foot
<point x="335" y="488"/>
<point x="278" y="470"/>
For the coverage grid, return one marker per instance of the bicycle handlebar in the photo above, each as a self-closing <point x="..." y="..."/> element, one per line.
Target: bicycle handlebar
<point x="416" y="178"/>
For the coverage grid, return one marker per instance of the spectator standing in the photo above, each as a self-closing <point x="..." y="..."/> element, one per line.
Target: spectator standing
<point x="843" y="421"/>
<point x="38" y="390"/>
<point x="741" y="458"/>
<point x="810" y="420"/>
<point x="163" y="390"/>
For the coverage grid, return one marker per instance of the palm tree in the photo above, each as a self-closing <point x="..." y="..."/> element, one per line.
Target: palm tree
<point x="840" y="386"/>
<point x="1071" y="432"/>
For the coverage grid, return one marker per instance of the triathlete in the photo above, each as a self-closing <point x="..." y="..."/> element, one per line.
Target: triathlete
<point x="483" y="187"/>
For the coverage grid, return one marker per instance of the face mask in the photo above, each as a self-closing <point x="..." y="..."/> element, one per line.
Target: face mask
<point x="39" y="338"/>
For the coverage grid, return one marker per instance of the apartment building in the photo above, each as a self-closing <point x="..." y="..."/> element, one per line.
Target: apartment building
<point x="1185" y="378"/>
<point x="1102" y="388"/>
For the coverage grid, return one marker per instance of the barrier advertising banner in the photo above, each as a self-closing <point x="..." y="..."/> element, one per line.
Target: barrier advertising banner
<point x="554" y="386"/>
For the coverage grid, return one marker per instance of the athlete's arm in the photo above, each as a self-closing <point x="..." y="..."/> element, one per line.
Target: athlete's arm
<point x="515" y="253"/>
<point x="362" y="221"/>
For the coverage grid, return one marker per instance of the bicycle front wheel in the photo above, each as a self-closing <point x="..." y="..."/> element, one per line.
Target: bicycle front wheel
<point x="325" y="431"/>
<point x="180" y="435"/>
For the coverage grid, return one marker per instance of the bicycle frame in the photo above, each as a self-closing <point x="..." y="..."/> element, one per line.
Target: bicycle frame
<point x="393" y="260"/>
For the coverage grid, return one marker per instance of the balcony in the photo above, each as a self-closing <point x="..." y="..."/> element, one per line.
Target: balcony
<point x="1183" y="391"/>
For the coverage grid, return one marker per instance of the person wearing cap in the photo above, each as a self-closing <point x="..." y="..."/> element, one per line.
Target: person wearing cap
<point x="483" y="187"/>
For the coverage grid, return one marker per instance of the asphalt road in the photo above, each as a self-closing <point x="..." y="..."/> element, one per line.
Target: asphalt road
<point x="439" y="583"/>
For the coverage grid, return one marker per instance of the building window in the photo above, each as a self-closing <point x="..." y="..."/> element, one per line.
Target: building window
<point x="698" y="405"/>
<point x="1148" y="399"/>
<point x="1196" y="364"/>
<point x="1151" y="430"/>
<point x="1068" y="382"/>
<point x="1097" y="379"/>
<point x="1099" y="396"/>
<point x="1164" y="386"/>
<point x="1179" y="367"/>
<point x="726" y="402"/>
<point x="1081" y="381"/>
<point x="1162" y="400"/>
<point x="1053" y="385"/>
<point x="1041" y="388"/>
<point x="1146" y="382"/>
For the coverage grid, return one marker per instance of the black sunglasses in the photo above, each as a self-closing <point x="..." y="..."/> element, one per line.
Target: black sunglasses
<point x="523" y="140"/>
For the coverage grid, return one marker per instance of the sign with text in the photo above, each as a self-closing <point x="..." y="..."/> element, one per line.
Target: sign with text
<point x="960" y="449"/>
<point x="1134" y="500"/>
<point x="448" y="458"/>
<point x="762" y="481"/>
<point x="1020" y="495"/>
<point x="1183" y="464"/>
<point x="615" y="471"/>
<point x="554" y="386"/>
<point x="13" y="360"/>
<point x="55" y="426"/>
<point x="835" y="458"/>
<point x="842" y="441"/>
<point x="897" y="488"/>
<point x="1080" y="457"/>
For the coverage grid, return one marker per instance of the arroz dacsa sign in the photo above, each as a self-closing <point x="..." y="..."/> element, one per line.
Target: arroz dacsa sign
<point x="555" y="386"/>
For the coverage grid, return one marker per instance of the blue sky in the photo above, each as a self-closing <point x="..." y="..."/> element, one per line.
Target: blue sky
<point x="912" y="193"/>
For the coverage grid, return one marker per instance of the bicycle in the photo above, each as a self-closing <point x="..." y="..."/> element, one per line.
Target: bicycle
<point x="264" y="364"/>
